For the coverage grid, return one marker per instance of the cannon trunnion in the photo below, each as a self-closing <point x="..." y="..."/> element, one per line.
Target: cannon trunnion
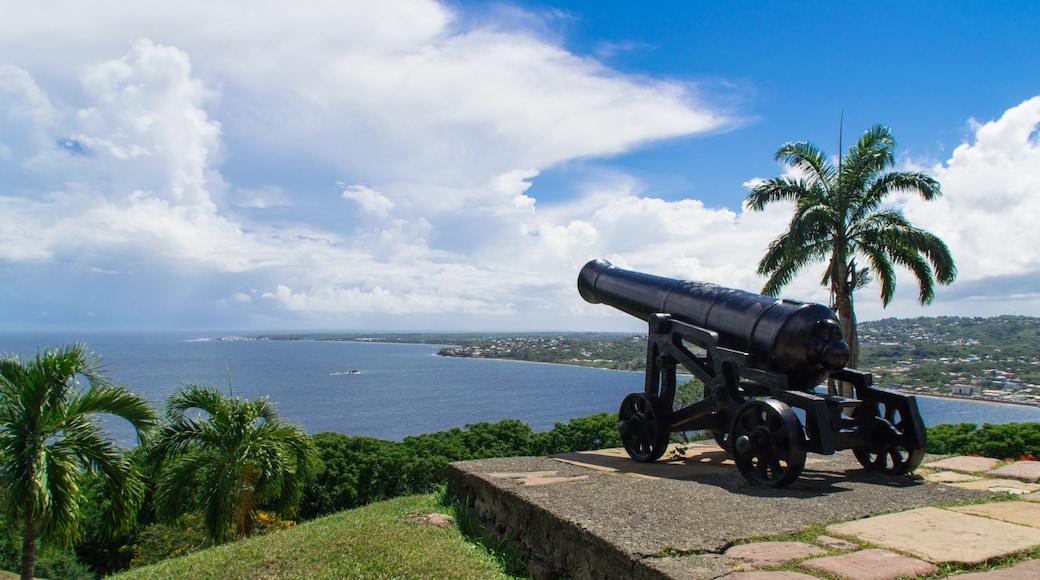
<point x="759" y="359"/>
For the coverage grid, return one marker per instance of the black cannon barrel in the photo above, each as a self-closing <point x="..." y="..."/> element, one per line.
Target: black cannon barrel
<point x="799" y="339"/>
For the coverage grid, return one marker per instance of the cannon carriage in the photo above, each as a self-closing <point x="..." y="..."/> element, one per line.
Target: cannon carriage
<point x="760" y="360"/>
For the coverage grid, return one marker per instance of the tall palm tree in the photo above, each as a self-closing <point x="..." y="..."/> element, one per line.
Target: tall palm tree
<point x="50" y="438"/>
<point x="233" y="456"/>
<point x="840" y="219"/>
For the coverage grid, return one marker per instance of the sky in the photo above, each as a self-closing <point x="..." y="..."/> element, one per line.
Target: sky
<point x="414" y="165"/>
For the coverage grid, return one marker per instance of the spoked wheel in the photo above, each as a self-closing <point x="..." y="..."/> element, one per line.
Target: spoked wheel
<point x="722" y="440"/>
<point x="767" y="442"/>
<point x="642" y="428"/>
<point x="888" y="457"/>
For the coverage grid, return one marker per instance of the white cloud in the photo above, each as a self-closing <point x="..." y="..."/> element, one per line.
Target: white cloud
<point x="184" y="139"/>
<point x="369" y="200"/>
<point x="25" y="112"/>
<point x="991" y="202"/>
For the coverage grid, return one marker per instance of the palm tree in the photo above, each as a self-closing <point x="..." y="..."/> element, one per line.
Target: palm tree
<point x="50" y="438"/>
<point x="236" y="455"/>
<point x="839" y="219"/>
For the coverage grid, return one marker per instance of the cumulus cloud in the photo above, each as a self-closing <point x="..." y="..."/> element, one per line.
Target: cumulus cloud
<point x="25" y="113"/>
<point x="305" y="164"/>
<point x="991" y="200"/>
<point x="369" y="200"/>
<point x="445" y="125"/>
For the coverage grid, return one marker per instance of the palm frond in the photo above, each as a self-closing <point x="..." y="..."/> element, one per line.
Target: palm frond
<point x="878" y="257"/>
<point x="810" y="161"/>
<point x="116" y="401"/>
<point x="777" y="189"/>
<point x="917" y="264"/>
<point x="911" y="182"/>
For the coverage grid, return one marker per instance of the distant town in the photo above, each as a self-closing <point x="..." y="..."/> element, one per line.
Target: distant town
<point x="995" y="358"/>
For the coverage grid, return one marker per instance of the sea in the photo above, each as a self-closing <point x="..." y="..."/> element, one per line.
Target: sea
<point x="385" y="390"/>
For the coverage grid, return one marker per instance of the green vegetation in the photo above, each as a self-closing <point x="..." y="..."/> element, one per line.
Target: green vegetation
<point x="382" y="540"/>
<point x="349" y="472"/>
<point x="49" y="440"/>
<point x="932" y="355"/>
<point x="235" y="458"/>
<point x="614" y="351"/>
<point x="358" y="470"/>
<point x="839" y="218"/>
<point x="205" y="429"/>
<point x="1011" y="441"/>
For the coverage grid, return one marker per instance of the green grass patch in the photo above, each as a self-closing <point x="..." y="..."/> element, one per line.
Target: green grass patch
<point x="380" y="540"/>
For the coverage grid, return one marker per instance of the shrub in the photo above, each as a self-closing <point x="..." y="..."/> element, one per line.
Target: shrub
<point x="1003" y="441"/>
<point x="61" y="564"/>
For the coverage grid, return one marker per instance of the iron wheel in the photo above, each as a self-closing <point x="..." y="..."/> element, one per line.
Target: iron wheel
<point x="890" y="458"/>
<point x="767" y="442"/>
<point x="643" y="431"/>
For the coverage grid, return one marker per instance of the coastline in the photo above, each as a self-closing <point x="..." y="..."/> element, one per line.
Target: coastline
<point x="977" y="400"/>
<point x="445" y="348"/>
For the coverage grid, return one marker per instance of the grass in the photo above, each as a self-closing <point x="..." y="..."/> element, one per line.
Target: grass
<point x="380" y="540"/>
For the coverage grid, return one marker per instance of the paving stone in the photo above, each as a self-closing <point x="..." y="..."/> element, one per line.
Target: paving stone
<point x="698" y="460"/>
<point x="780" y="575"/>
<point x="949" y="477"/>
<point x="871" y="565"/>
<point x="1010" y="491"/>
<point x="534" y="478"/>
<point x="532" y="481"/>
<point x="1024" y="470"/>
<point x="1027" y="569"/>
<point x="1016" y="512"/>
<point x="965" y="463"/>
<point x="521" y="474"/>
<point x="939" y="535"/>
<point x="998" y="485"/>
<point x="836" y="543"/>
<point x="765" y="554"/>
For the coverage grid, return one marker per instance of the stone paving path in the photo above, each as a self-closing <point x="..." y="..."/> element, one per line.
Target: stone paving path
<point x="915" y="542"/>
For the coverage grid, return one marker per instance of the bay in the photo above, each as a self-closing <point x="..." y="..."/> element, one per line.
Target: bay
<point x="385" y="390"/>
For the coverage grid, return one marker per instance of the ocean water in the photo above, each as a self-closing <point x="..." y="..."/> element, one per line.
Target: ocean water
<point x="397" y="389"/>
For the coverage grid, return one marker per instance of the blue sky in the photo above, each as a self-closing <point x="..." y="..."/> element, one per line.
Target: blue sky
<point x="415" y="165"/>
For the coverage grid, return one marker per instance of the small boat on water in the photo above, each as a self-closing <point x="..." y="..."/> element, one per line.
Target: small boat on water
<point x="350" y="372"/>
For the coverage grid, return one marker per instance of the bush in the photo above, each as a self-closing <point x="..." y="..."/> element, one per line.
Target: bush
<point x="159" y="541"/>
<point x="10" y="547"/>
<point x="597" y="431"/>
<point x="356" y="471"/>
<point x="1005" y="441"/>
<point x="63" y="565"/>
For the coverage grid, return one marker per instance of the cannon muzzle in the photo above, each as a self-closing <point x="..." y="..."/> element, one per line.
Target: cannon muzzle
<point x="799" y="339"/>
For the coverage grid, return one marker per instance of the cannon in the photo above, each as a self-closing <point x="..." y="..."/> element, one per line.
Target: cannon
<point x="761" y="361"/>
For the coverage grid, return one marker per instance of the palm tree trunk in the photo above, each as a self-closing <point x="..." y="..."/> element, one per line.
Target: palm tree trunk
<point x="28" y="546"/>
<point x="847" y="317"/>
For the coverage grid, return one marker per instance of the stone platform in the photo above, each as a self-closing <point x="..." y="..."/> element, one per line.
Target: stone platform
<point x="602" y="515"/>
